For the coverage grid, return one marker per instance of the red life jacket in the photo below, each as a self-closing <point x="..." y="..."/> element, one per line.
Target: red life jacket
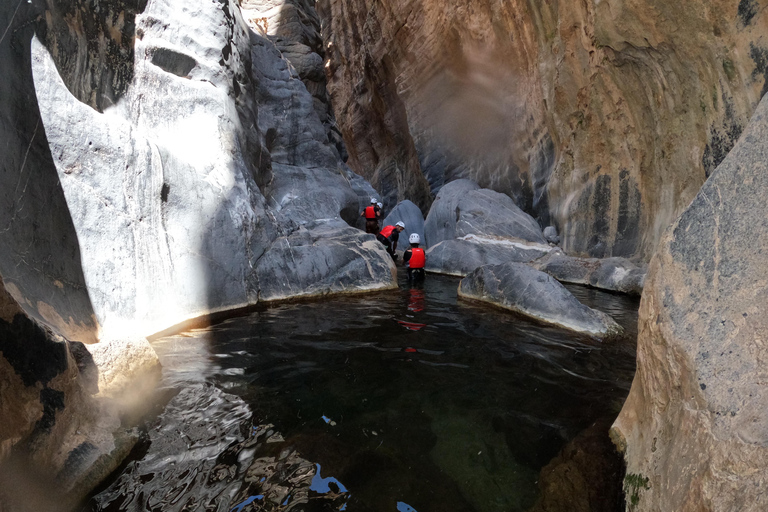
<point x="417" y="258"/>
<point x="387" y="231"/>
<point x="370" y="213"/>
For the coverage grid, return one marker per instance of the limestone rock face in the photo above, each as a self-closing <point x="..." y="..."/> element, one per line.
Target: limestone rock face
<point x="602" y="119"/>
<point x="462" y="208"/>
<point x="695" y="423"/>
<point x="615" y="274"/>
<point x="525" y="290"/>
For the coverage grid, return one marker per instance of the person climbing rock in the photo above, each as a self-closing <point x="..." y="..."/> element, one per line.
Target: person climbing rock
<point x="372" y="215"/>
<point x="389" y="236"/>
<point x="414" y="258"/>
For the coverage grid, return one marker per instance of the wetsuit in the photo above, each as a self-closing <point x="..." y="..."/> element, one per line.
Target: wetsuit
<point x="372" y="215"/>
<point x="415" y="258"/>
<point x="389" y="236"/>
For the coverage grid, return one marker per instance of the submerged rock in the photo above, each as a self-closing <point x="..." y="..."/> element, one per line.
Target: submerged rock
<point x="586" y="476"/>
<point x="525" y="290"/>
<point x="694" y="428"/>
<point x="615" y="274"/>
<point x="463" y="208"/>
<point x="461" y="256"/>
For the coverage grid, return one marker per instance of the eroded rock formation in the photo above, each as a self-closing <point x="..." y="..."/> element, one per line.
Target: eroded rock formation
<point x="162" y="161"/>
<point x="695" y="428"/>
<point x="601" y="118"/>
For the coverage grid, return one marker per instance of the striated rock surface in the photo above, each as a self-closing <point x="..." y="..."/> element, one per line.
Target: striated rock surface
<point x="602" y="119"/>
<point x="694" y="428"/>
<point x="524" y="290"/>
<point x="614" y="274"/>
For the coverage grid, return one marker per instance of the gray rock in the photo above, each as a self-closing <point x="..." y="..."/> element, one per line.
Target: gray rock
<point x="462" y="208"/>
<point x="461" y="256"/>
<point x="411" y="216"/>
<point x="525" y="290"/>
<point x="695" y="422"/>
<point x="550" y="233"/>
<point x="614" y="274"/>
<point x="200" y="176"/>
<point x="321" y="258"/>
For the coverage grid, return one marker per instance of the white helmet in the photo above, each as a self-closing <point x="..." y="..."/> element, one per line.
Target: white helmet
<point x="380" y="205"/>
<point x="400" y="223"/>
<point x="373" y="200"/>
<point x="414" y="238"/>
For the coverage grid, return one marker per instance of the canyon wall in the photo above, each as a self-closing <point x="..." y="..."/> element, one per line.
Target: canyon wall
<point x="161" y="162"/>
<point x="694" y="428"/>
<point x="603" y="118"/>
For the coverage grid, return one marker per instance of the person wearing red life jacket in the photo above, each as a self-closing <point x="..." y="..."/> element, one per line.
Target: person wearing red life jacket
<point x="372" y="215"/>
<point x="389" y="236"/>
<point x="415" y="259"/>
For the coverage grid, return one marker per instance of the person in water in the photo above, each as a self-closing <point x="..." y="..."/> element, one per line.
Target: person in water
<point x="414" y="258"/>
<point x="372" y="215"/>
<point x="389" y="236"/>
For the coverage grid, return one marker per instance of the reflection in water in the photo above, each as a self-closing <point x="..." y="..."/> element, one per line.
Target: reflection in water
<point x="460" y="414"/>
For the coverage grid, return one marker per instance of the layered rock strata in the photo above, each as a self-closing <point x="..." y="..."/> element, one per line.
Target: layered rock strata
<point x="694" y="428"/>
<point x="600" y="118"/>
<point x="524" y="290"/>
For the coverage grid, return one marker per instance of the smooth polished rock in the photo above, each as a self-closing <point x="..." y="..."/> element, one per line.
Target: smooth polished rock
<point x="410" y="215"/>
<point x="527" y="291"/>
<point x="322" y="258"/>
<point x="463" y="208"/>
<point x="460" y="256"/>
<point x="200" y="176"/>
<point x="614" y="274"/>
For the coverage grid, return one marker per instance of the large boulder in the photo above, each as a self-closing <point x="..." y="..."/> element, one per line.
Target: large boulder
<point x="614" y="274"/>
<point x="322" y="258"/>
<point x="463" y="208"/>
<point x="460" y="256"/>
<point x="525" y="290"/>
<point x="410" y="215"/>
<point x="694" y="428"/>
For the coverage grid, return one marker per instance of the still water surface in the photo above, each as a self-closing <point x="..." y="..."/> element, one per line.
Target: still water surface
<point x="394" y="401"/>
